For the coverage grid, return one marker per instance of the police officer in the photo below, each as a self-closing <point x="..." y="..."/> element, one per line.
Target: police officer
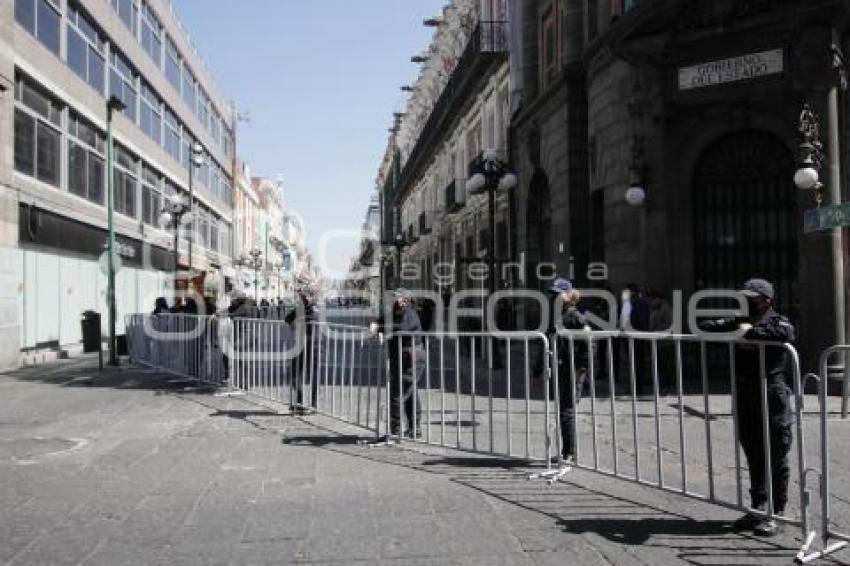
<point x="301" y="323"/>
<point x="564" y="300"/>
<point x="400" y="350"/>
<point x="763" y="324"/>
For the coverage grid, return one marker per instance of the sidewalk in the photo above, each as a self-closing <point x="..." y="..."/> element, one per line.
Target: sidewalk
<point x="124" y="468"/>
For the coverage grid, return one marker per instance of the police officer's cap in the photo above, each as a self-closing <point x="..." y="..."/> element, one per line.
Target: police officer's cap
<point x="560" y="285"/>
<point x="758" y="288"/>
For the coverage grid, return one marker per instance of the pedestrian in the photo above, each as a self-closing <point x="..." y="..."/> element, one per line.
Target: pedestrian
<point x="571" y="354"/>
<point x="301" y="322"/>
<point x="160" y="306"/>
<point x="401" y="351"/>
<point x="634" y="316"/>
<point x="238" y="308"/>
<point x="178" y="305"/>
<point x="762" y="324"/>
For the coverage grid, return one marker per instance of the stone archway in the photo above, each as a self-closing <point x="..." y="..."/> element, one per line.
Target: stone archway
<point x="746" y="219"/>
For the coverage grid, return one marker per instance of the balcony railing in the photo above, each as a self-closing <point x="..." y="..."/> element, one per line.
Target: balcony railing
<point x="455" y="196"/>
<point x="487" y="47"/>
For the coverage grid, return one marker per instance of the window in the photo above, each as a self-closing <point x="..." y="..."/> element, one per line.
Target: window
<point x="128" y="11"/>
<point x="152" y="34"/>
<point x="186" y="155"/>
<point x="37" y="136"/>
<point x="189" y="88"/>
<point x="151" y="195"/>
<point x="150" y="116"/>
<point x="203" y="217"/>
<point x="203" y="108"/>
<point x="41" y="19"/>
<point x="215" y="128"/>
<point x="549" y="46"/>
<point x="214" y="222"/>
<point x="171" y="136"/>
<point x="86" y="49"/>
<point x="122" y="83"/>
<point x="86" y="151"/>
<point x="172" y="64"/>
<point x="125" y="181"/>
<point x="228" y="143"/>
<point x="592" y="19"/>
<point x="204" y="173"/>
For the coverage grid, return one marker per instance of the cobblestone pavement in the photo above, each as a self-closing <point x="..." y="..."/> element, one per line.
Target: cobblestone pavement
<point x="123" y="467"/>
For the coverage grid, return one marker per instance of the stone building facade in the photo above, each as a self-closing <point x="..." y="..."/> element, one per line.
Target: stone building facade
<point x="696" y="103"/>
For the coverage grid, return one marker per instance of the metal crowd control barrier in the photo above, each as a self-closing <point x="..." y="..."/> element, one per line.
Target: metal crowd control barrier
<point x="624" y="430"/>
<point x="467" y="404"/>
<point x="334" y="369"/>
<point x="828" y="530"/>
<point x="188" y="346"/>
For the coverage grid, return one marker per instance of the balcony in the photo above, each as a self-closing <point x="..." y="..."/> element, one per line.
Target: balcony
<point x="486" y="50"/>
<point x="424" y="223"/>
<point x="455" y="196"/>
<point x="412" y="237"/>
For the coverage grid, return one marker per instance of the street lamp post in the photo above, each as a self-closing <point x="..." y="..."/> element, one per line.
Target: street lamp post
<point x="255" y="263"/>
<point x="399" y="245"/>
<point x="196" y="160"/>
<point x="112" y="105"/>
<point x="493" y="175"/>
<point x="175" y="212"/>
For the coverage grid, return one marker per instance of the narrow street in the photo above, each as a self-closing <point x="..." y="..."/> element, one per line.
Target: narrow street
<point x="122" y="467"/>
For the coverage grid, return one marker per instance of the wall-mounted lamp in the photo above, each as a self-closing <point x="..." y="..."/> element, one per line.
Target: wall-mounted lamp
<point x="807" y="177"/>
<point x="636" y="193"/>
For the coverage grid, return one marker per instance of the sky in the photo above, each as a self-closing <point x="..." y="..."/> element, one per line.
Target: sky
<point x="320" y="80"/>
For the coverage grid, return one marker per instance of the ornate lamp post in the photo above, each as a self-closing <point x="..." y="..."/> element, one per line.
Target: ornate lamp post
<point x="255" y="263"/>
<point x="807" y="177"/>
<point x="196" y="160"/>
<point x="176" y="212"/>
<point x="493" y="175"/>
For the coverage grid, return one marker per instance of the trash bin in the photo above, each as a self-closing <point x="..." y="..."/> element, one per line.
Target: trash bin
<point x="91" y="331"/>
<point x="121" y="345"/>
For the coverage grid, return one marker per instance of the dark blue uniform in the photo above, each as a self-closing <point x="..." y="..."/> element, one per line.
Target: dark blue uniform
<point x="571" y="319"/>
<point x="771" y="327"/>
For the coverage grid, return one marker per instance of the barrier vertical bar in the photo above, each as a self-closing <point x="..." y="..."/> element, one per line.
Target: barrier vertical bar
<point x="457" y="390"/>
<point x="414" y="375"/>
<point x="369" y="384"/>
<point x="681" y="406"/>
<point x="327" y="368"/>
<point x="547" y="430"/>
<point x="555" y="370"/>
<point x="442" y="392"/>
<point x="508" y="376"/>
<point x="658" y="440"/>
<point x="765" y="420"/>
<point x="633" y="379"/>
<point x="592" y="363"/>
<point x="490" y="389"/>
<point x="733" y="373"/>
<point x="527" y="402"/>
<point x="357" y="361"/>
<point x="473" y="416"/>
<point x="613" y="398"/>
<point x="707" y="412"/>
<point x="428" y="389"/>
<point x="400" y="390"/>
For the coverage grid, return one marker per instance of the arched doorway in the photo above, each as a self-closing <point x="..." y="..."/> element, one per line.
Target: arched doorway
<point x="538" y="234"/>
<point x="746" y="221"/>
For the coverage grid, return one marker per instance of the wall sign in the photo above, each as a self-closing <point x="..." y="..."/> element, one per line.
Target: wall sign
<point x="826" y="217"/>
<point x="741" y="68"/>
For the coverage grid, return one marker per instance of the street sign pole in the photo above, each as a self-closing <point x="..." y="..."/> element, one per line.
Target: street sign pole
<point x="112" y="105"/>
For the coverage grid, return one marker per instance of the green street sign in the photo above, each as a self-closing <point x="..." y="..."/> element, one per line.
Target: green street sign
<point x="826" y="217"/>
